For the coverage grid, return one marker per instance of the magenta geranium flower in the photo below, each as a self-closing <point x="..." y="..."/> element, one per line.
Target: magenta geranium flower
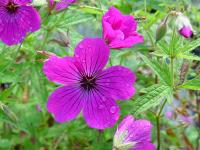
<point x="62" y="4"/>
<point x="120" y="31"/>
<point x="87" y="86"/>
<point x="17" y="18"/>
<point x="133" y="135"/>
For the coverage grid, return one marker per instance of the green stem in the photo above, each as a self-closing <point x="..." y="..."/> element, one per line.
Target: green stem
<point x="145" y="6"/>
<point x="172" y="71"/>
<point x="15" y="56"/>
<point x="158" y="124"/>
<point x="110" y="62"/>
<point x="163" y="105"/>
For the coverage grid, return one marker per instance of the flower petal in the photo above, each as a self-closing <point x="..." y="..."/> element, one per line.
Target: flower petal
<point x="117" y="82"/>
<point x="140" y="131"/>
<point x="64" y="4"/>
<point x="66" y="103"/>
<point x="128" y="42"/>
<point x="13" y="27"/>
<point x="29" y="17"/>
<point x="61" y="70"/>
<point x="126" y="123"/>
<point x="92" y="54"/>
<point x="143" y="146"/>
<point x="186" y="32"/>
<point x="3" y="2"/>
<point x="129" y="25"/>
<point x="100" y="113"/>
<point x="23" y="2"/>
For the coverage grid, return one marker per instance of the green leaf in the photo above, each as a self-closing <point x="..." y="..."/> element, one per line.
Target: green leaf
<point x="92" y="10"/>
<point x="189" y="46"/>
<point x="174" y="44"/>
<point x="160" y="69"/>
<point x="8" y="112"/>
<point x="39" y="2"/>
<point x="193" y="84"/>
<point x="155" y="95"/>
<point x="188" y="56"/>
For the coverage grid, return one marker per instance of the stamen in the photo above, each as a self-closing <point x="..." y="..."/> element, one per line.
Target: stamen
<point x="88" y="83"/>
<point x="12" y="7"/>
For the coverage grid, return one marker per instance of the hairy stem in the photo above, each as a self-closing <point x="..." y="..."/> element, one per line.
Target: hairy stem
<point x="158" y="116"/>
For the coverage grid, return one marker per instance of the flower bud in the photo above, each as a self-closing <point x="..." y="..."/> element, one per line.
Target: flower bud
<point x="161" y="30"/>
<point x="183" y="25"/>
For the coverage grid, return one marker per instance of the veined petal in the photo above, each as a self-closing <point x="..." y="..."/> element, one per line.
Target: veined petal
<point x="22" y="2"/>
<point x="61" y="70"/>
<point x="140" y="131"/>
<point x="3" y="2"/>
<point x="125" y="123"/>
<point x="92" y="54"/>
<point x="64" y="4"/>
<point x="117" y="82"/>
<point x="144" y="146"/>
<point x="14" y="27"/>
<point x="66" y="103"/>
<point x="128" y="42"/>
<point x="29" y="17"/>
<point x="99" y="112"/>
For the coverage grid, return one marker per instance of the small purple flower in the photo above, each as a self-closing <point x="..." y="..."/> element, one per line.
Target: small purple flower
<point x="62" y="4"/>
<point x="169" y="115"/>
<point x="120" y="31"/>
<point x="17" y="18"/>
<point x="186" y="119"/>
<point x="184" y="26"/>
<point x="87" y="86"/>
<point x="133" y="135"/>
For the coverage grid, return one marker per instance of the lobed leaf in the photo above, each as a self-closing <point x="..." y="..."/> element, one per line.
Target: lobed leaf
<point x="155" y="95"/>
<point x="160" y="69"/>
<point x="188" y="56"/>
<point x="193" y="84"/>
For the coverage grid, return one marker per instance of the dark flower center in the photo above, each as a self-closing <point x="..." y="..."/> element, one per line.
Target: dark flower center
<point x="12" y="7"/>
<point x="88" y="83"/>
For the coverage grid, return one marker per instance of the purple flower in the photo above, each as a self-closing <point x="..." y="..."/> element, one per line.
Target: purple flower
<point x="62" y="4"/>
<point x="87" y="86"/>
<point x="133" y="135"/>
<point x="186" y="119"/>
<point x="119" y="31"/>
<point x="169" y="114"/>
<point x="184" y="26"/>
<point x="17" y="18"/>
<point x="186" y="32"/>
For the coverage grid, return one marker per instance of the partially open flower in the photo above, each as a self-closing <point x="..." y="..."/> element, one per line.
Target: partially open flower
<point x="120" y="31"/>
<point x="133" y="135"/>
<point x="184" y="26"/>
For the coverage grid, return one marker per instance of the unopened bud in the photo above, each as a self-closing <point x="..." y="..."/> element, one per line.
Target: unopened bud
<point x="46" y="54"/>
<point x="62" y="39"/>
<point x="161" y="30"/>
